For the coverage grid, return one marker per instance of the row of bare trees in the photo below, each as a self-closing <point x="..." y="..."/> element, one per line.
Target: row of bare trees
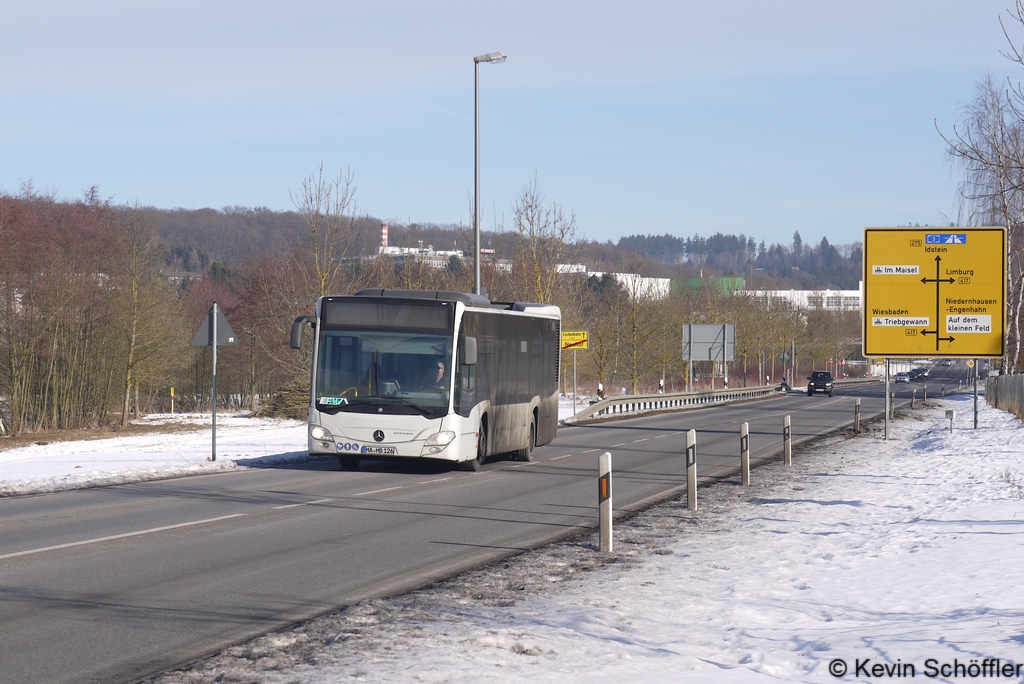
<point x="635" y="337"/>
<point x="81" y="297"/>
<point x="92" y="331"/>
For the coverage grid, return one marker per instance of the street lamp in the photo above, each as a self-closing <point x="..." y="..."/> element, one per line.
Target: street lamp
<point x="493" y="57"/>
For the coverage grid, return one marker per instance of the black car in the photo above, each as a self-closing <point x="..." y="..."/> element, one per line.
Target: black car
<point x="918" y="374"/>
<point x="820" y="381"/>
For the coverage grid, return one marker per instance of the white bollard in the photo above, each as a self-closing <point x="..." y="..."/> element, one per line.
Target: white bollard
<point x="787" y="441"/>
<point x="691" y="470"/>
<point x="856" y="416"/>
<point x="745" y="454"/>
<point x="604" y="497"/>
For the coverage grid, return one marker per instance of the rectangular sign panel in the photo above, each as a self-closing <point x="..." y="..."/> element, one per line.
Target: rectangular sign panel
<point x="575" y="339"/>
<point x="934" y="292"/>
<point x="709" y="342"/>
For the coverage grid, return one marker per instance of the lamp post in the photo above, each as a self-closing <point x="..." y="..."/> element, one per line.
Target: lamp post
<point x="493" y="57"/>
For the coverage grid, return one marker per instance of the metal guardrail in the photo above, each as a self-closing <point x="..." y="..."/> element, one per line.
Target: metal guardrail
<point x="636" y="404"/>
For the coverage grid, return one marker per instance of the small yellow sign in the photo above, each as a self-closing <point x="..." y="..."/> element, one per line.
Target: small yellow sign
<point x="575" y="339"/>
<point x="934" y="292"/>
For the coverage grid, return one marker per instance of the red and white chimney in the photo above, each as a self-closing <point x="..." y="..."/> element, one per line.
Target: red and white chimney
<point x="384" y="236"/>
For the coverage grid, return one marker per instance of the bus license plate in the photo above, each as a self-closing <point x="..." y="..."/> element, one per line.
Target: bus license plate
<point x="380" y="450"/>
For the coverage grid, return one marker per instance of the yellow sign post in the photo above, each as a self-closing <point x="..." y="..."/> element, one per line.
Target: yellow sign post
<point x="575" y="339"/>
<point x="934" y="292"/>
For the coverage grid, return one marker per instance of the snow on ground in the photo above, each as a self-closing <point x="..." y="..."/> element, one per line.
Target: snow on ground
<point x="241" y="442"/>
<point x="865" y="553"/>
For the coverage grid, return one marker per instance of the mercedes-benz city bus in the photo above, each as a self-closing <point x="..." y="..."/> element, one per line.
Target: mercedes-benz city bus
<point x="431" y="374"/>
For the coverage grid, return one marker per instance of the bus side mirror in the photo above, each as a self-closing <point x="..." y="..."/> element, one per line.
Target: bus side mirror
<point x="297" y="326"/>
<point x="469" y="351"/>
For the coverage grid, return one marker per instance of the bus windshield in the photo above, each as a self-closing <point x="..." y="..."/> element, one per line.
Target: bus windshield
<point x="384" y="371"/>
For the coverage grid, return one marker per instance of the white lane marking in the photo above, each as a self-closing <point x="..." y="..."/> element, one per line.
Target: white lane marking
<point x="120" y="536"/>
<point x="616" y="445"/>
<point x="306" y="503"/>
<point x="377" y="491"/>
<point x="520" y="465"/>
<point x="590" y="451"/>
<point x="640" y="440"/>
<point x="565" y="456"/>
<point x="443" y="479"/>
<point x="660" y="436"/>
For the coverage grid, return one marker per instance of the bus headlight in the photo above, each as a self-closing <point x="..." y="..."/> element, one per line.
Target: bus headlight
<point x="319" y="433"/>
<point x="439" y="440"/>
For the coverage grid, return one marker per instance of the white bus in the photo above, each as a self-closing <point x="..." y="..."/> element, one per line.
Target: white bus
<point x="431" y="374"/>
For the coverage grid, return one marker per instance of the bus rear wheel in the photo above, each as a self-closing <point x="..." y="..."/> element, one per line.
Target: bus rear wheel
<point x="527" y="453"/>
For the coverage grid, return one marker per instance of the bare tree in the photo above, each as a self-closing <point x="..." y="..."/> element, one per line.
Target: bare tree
<point x="641" y="331"/>
<point x="332" y="224"/>
<point x="989" y="147"/>
<point x="602" y="303"/>
<point x="546" y="238"/>
<point x="143" y="301"/>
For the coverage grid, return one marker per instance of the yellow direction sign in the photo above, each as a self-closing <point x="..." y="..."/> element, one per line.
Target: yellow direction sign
<point x="575" y="339"/>
<point x="934" y="292"/>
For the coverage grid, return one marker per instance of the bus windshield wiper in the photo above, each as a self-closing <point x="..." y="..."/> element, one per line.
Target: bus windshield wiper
<point x="402" y="400"/>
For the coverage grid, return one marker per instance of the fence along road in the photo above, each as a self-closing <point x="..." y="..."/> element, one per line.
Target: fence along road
<point x="113" y="584"/>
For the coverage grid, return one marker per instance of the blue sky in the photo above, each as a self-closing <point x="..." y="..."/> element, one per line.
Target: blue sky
<point x="760" y="118"/>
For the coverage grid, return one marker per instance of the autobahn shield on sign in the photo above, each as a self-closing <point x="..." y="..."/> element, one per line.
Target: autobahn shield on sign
<point x="934" y="292"/>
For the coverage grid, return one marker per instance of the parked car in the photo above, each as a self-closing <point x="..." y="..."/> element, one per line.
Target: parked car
<point x="820" y="381"/>
<point x="902" y="377"/>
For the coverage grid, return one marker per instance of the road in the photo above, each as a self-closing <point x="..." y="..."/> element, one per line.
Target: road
<point x="113" y="584"/>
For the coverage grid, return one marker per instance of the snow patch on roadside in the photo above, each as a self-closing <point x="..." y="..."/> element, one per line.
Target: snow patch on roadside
<point x="242" y="442"/>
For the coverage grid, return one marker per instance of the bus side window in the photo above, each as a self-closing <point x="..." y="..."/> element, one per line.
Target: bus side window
<point x="465" y="388"/>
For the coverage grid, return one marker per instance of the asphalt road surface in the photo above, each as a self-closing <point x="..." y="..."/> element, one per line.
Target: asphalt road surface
<point x="113" y="584"/>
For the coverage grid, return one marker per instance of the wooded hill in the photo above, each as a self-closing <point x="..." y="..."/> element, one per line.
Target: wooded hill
<point x="798" y="266"/>
<point x="195" y="239"/>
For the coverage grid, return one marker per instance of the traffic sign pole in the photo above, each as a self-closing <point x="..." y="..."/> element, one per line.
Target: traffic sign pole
<point x="213" y="391"/>
<point x="976" y="367"/>
<point x="575" y="340"/>
<point x="888" y="399"/>
<point x="214" y="330"/>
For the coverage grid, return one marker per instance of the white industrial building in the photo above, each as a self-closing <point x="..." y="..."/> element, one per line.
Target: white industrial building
<point x="832" y="300"/>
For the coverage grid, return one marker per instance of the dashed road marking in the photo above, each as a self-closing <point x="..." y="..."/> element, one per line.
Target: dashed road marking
<point x="377" y="491"/>
<point x="120" y="536"/>
<point x="442" y="479"/>
<point x="305" y="503"/>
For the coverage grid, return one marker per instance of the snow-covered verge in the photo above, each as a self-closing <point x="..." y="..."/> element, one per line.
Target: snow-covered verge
<point x="864" y="554"/>
<point x="241" y="442"/>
